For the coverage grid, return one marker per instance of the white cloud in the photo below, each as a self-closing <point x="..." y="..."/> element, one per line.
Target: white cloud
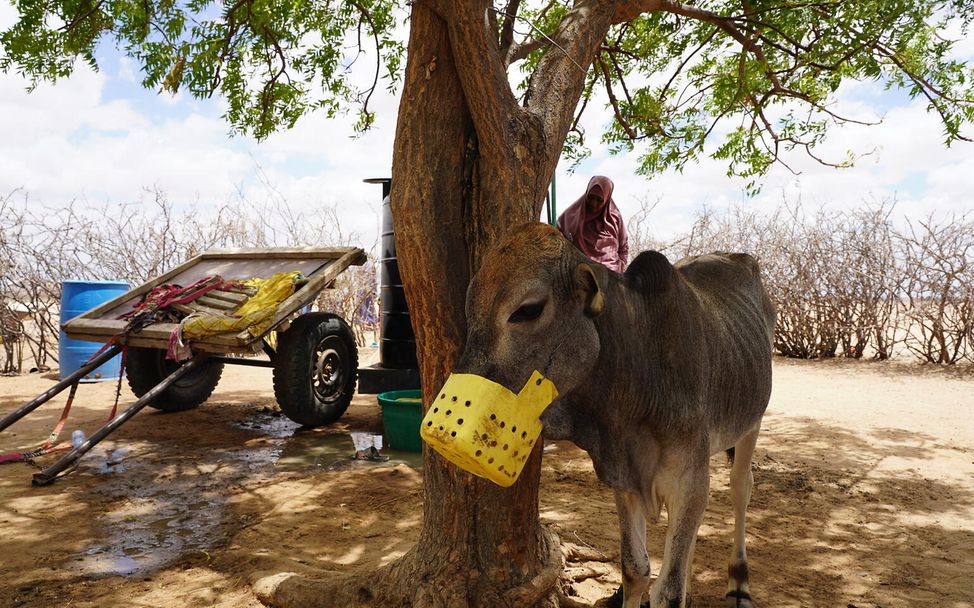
<point x="67" y="141"/>
<point x="99" y="136"/>
<point x="8" y="14"/>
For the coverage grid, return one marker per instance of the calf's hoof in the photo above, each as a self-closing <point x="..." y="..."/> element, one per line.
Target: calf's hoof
<point x="738" y="599"/>
<point x="615" y="600"/>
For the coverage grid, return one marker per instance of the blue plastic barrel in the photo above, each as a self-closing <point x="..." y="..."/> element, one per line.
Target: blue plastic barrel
<point x="79" y="297"/>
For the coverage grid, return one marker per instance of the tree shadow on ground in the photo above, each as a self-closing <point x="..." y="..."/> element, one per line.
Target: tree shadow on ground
<point x="196" y="491"/>
<point x="831" y="525"/>
<point x="828" y="524"/>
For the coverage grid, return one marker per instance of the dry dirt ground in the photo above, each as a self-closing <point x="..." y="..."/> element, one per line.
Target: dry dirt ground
<point x="864" y="497"/>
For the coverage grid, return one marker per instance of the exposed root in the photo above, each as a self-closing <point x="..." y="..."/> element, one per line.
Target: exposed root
<point x="544" y="583"/>
<point x="291" y="590"/>
<point x="566" y="601"/>
<point x="396" y="586"/>
<point x="588" y="546"/>
<point x="580" y="573"/>
<point x="578" y="553"/>
<point x="582" y="562"/>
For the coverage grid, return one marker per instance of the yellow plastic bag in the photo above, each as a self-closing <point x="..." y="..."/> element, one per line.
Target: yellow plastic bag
<point x="254" y="315"/>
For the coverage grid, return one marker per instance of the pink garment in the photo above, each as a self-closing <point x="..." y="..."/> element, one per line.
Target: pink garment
<point x="600" y="235"/>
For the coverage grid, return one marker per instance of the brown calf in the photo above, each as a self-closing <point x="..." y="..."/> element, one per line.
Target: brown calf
<point x="657" y="370"/>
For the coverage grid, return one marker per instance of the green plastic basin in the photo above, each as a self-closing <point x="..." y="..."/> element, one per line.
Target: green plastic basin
<point x="402" y="413"/>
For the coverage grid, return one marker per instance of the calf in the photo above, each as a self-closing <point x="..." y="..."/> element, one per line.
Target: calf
<point x="657" y="369"/>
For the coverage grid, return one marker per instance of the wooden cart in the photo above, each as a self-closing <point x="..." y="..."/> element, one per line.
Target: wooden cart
<point x="314" y="356"/>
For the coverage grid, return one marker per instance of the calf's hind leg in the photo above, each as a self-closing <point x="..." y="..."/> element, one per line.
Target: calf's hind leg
<point x="741" y="480"/>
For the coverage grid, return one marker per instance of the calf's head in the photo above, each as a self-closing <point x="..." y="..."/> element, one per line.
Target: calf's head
<point x="530" y="335"/>
<point x="530" y="308"/>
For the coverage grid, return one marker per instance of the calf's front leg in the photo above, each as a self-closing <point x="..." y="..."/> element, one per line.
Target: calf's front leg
<point x="635" y="557"/>
<point x="685" y="487"/>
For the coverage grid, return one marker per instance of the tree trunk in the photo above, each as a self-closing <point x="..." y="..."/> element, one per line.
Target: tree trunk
<point x="469" y="164"/>
<point x="481" y="545"/>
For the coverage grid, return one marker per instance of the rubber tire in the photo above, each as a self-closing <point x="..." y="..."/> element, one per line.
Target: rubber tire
<point x="296" y="369"/>
<point x="147" y="367"/>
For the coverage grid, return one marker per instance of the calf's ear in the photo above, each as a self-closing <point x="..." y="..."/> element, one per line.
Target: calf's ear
<point x="587" y="287"/>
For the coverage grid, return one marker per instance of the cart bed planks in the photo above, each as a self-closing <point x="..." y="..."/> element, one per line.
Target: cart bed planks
<point x="321" y="266"/>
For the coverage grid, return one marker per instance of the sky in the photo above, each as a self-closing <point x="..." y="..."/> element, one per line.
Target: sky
<point x="99" y="136"/>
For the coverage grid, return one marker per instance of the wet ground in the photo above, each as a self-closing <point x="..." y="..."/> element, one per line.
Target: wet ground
<point x="166" y="491"/>
<point x="148" y="530"/>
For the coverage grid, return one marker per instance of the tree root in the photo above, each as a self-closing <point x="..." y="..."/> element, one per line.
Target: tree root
<point x="413" y="583"/>
<point x="566" y="601"/>
<point x="409" y="582"/>
<point x="578" y="574"/>
<point x="293" y="590"/>
<point x="545" y="581"/>
<point x="579" y="567"/>
<point x="578" y="553"/>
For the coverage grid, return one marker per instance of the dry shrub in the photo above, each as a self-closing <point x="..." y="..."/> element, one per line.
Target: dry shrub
<point x="939" y="261"/>
<point x="354" y="296"/>
<point x="848" y="282"/>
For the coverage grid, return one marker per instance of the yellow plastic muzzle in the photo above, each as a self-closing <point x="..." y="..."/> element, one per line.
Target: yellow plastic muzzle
<point x="484" y="428"/>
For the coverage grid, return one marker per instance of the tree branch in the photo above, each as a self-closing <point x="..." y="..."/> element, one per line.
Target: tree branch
<point x="562" y="72"/>
<point x="630" y="132"/>
<point x="684" y="63"/>
<point x="67" y="27"/>
<point x="367" y="16"/>
<point x="517" y="52"/>
<point x="628" y="10"/>
<point x="507" y="28"/>
<point x="578" y="115"/>
<point x="483" y="74"/>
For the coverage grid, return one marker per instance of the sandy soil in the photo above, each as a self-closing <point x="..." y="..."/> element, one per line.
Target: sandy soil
<point x="864" y="497"/>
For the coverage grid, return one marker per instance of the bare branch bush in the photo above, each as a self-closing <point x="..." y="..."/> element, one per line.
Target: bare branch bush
<point x="848" y="283"/>
<point x="354" y="296"/>
<point x="799" y="281"/>
<point x="42" y="245"/>
<point x="868" y="277"/>
<point x="639" y="228"/>
<point x="790" y="249"/>
<point x="939" y="288"/>
<point x="25" y="284"/>
<point x="11" y="325"/>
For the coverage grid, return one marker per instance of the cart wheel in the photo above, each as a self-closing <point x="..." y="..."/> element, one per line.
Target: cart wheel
<point x="147" y="367"/>
<point x="315" y="369"/>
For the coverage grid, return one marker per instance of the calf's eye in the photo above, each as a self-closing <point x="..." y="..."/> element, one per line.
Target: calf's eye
<point x="527" y="312"/>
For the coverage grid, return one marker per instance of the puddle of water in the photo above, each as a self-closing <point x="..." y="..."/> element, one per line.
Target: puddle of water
<point x="301" y="450"/>
<point x="94" y="561"/>
<point x="114" y="461"/>
<point x="150" y="525"/>
<point x="270" y="424"/>
<point x="149" y="534"/>
<point x="157" y="524"/>
<point x="335" y="451"/>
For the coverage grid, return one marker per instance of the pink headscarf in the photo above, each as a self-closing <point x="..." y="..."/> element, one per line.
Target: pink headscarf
<point x="600" y="235"/>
